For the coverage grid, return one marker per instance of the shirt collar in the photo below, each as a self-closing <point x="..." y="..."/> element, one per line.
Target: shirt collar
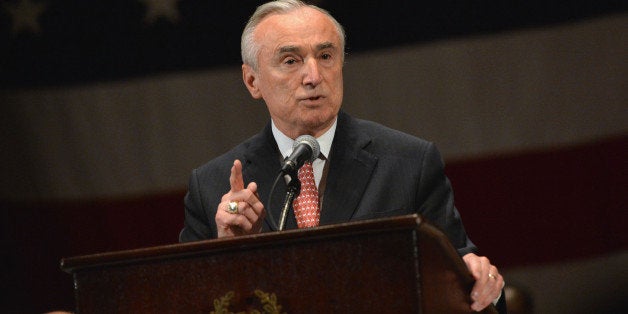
<point x="285" y="143"/>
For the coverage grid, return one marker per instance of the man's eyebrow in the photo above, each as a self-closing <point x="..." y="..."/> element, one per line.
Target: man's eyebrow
<point x="292" y="48"/>
<point x="285" y="49"/>
<point x="325" y="45"/>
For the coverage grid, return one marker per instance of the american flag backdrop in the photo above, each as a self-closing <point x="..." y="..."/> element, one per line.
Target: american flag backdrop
<point x="74" y="42"/>
<point x="108" y="105"/>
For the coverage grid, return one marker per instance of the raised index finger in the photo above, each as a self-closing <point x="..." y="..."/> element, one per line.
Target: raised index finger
<point x="236" y="180"/>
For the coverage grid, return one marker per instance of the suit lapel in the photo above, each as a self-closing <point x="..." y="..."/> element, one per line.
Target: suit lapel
<point x="350" y="169"/>
<point x="261" y="164"/>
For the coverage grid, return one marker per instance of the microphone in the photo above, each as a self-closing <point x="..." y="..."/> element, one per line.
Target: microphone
<point x="305" y="148"/>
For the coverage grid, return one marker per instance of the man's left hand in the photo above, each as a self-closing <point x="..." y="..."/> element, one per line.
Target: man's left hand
<point x="488" y="281"/>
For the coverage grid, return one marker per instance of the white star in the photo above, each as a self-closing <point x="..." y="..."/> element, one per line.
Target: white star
<point x="25" y="15"/>
<point x="165" y="9"/>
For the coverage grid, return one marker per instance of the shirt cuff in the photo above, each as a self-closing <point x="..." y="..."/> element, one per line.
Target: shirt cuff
<point x="500" y="294"/>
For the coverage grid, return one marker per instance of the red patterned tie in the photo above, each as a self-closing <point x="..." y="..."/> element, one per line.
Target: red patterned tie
<point x="306" y="204"/>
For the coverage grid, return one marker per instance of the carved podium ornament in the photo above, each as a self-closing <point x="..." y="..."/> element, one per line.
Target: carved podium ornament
<point x="269" y="304"/>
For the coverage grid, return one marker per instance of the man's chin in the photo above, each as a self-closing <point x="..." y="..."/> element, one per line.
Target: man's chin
<point x="316" y="127"/>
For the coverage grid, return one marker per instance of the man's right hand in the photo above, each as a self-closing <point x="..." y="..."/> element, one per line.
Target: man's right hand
<point x="250" y="211"/>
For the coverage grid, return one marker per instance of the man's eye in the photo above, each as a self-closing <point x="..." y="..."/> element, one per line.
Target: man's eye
<point x="290" y="61"/>
<point x="326" y="56"/>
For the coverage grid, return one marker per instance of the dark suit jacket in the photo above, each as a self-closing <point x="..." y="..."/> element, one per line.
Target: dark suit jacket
<point x="374" y="171"/>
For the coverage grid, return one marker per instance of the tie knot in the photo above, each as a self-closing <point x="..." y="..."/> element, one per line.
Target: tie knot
<point x="306" y="170"/>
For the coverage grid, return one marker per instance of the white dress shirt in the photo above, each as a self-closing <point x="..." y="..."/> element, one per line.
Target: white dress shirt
<point x="285" y="147"/>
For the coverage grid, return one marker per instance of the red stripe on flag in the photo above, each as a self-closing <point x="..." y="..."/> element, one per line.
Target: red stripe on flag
<point x="546" y="206"/>
<point x="36" y="236"/>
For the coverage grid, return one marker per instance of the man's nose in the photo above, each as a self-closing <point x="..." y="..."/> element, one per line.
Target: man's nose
<point x="311" y="73"/>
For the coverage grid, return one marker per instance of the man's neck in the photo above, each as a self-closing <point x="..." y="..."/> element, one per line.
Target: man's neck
<point x="285" y="142"/>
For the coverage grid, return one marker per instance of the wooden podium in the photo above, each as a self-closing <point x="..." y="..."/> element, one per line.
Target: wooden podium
<point x="393" y="265"/>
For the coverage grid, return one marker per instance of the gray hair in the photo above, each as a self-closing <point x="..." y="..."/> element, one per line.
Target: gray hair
<point x="250" y="49"/>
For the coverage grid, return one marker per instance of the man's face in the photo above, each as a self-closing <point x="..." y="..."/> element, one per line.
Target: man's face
<point x="299" y="73"/>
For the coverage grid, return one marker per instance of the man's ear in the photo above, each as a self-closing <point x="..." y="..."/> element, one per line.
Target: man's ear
<point x="250" y="81"/>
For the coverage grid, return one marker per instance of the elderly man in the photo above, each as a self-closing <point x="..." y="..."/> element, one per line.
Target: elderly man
<point x="293" y="56"/>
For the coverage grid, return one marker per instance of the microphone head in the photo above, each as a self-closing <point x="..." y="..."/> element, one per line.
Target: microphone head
<point x="311" y="142"/>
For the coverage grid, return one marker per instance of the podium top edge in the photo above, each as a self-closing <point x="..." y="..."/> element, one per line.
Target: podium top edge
<point x="78" y="263"/>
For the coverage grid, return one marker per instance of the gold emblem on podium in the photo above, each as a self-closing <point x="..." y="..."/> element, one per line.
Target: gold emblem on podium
<point x="267" y="300"/>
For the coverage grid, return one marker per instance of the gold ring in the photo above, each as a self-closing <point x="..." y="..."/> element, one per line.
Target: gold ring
<point x="232" y="207"/>
<point x="492" y="276"/>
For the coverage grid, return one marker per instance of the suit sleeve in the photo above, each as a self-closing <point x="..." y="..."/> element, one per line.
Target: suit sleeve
<point x="197" y="225"/>
<point x="437" y="199"/>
